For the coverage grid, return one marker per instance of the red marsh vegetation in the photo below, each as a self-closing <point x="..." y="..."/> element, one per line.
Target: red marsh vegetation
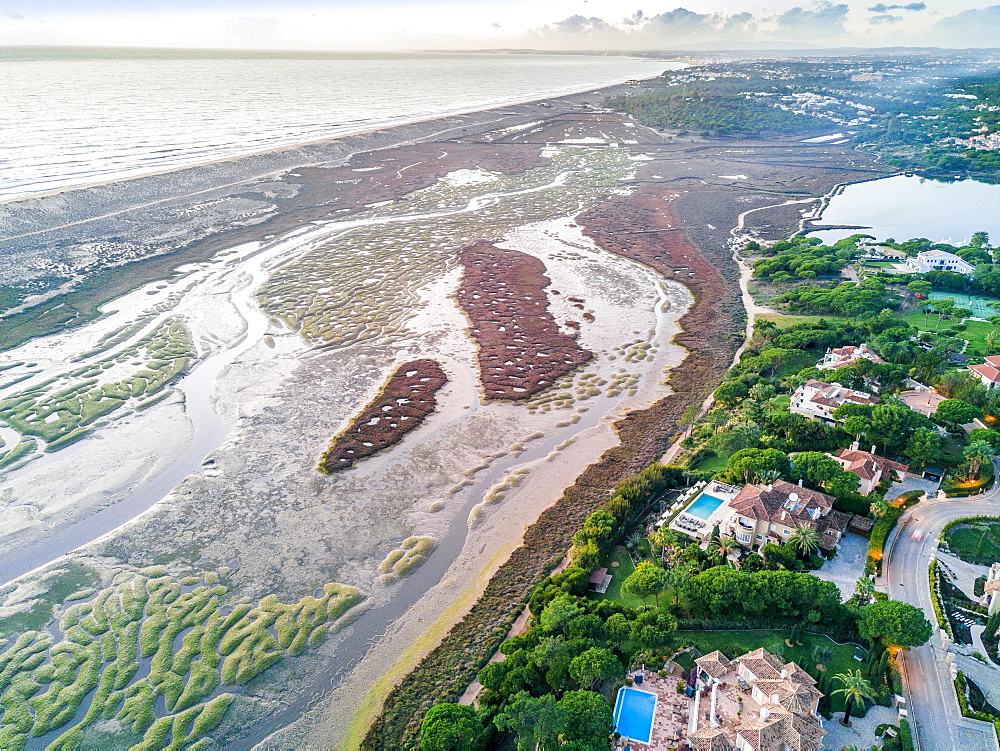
<point x="404" y="401"/>
<point x="521" y="349"/>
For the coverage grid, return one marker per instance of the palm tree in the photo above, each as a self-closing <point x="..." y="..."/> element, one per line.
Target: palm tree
<point x="723" y="546"/>
<point x="977" y="453"/>
<point x="865" y="589"/>
<point x="878" y="507"/>
<point x="805" y="540"/>
<point x="855" y="689"/>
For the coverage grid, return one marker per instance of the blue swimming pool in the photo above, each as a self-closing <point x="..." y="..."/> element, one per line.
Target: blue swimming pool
<point x="703" y="506"/>
<point x="634" y="711"/>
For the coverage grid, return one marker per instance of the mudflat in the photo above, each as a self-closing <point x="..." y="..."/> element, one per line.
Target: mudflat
<point x="227" y="321"/>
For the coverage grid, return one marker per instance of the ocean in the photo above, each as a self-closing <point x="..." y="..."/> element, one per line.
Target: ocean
<point x="75" y="116"/>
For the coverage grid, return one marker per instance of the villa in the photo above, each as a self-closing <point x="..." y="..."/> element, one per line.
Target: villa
<point x="988" y="372"/>
<point x="756" y="515"/>
<point x="756" y="703"/>
<point x="817" y="400"/>
<point x="869" y="468"/>
<point x="991" y="590"/>
<point x="841" y="357"/>
<point x="938" y="260"/>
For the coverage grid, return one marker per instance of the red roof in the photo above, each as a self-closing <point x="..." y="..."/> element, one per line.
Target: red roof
<point x="598" y="576"/>
<point x="987" y="371"/>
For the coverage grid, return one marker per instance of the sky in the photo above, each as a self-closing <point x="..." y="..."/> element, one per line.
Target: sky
<point x="481" y="24"/>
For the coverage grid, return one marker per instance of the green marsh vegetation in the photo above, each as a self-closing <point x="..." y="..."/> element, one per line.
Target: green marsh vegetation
<point x="318" y="294"/>
<point x="153" y="654"/>
<point x="63" y="409"/>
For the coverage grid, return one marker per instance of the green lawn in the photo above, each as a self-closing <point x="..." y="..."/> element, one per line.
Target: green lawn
<point x="975" y="542"/>
<point x="780" y="404"/>
<point x="735" y="643"/>
<point x="713" y="463"/>
<point x="618" y="575"/>
<point x="794" y="363"/>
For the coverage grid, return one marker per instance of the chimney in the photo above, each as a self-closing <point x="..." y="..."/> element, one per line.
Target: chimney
<point x="873" y="450"/>
<point x="856" y="445"/>
<point x="800" y="482"/>
<point x="765" y="713"/>
<point x="784" y="672"/>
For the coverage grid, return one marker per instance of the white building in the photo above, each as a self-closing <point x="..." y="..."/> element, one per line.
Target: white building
<point x="991" y="591"/>
<point x="817" y="399"/>
<point x="988" y="372"/>
<point x="937" y="260"/>
<point x="841" y="357"/>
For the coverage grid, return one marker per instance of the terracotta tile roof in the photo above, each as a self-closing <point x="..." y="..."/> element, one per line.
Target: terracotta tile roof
<point x="762" y="664"/>
<point x="855" y="458"/>
<point x="993" y="360"/>
<point x="782" y="502"/>
<point x="988" y="372"/>
<point x="707" y="738"/>
<point x="715" y="664"/>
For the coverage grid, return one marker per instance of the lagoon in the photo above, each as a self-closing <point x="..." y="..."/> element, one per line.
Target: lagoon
<point x="908" y="206"/>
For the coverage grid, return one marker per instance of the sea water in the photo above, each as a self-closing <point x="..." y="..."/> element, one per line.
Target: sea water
<point x="71" y="117"/>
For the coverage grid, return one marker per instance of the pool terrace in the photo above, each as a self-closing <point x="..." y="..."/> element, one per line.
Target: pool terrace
<point x="670" y="716"/>
<point x="708" y="508"/>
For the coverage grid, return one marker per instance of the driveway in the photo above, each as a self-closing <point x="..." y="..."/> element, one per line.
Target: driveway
<point x="848" y="566"/>
<point x="924" y="402"/>
<point x="934" y="712"/>
<point x="908" y="483"/>
<point x="862" y="730"/>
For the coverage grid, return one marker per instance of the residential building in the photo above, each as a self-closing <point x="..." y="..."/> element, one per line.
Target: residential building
<point x="937" y="260"/>
<point x="762" y="514"/>
<point x="869" y="468"/>
<point x="817" y="399"/>
<point x="841" y="357"/>
<point x="756" y="703"/>
<point x="991" y="590"/>
<point x="988" y="372"/>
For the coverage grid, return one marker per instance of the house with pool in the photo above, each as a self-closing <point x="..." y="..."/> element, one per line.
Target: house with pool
<point x="755" y="515"/>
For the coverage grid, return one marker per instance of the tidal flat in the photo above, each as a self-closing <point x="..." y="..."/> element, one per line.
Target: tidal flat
<point x="285" y="334"/>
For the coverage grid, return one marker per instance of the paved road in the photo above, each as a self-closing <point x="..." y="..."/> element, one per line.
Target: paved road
<point x="934" y="710"/>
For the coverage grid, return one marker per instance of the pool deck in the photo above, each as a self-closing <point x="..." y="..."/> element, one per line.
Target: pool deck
<point x="670" y="719"/>
<point x="699" y="528"/>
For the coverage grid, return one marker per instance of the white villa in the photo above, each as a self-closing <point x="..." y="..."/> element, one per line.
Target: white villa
<point x="937" y="260"/>
<point x="869" y="468"/>
<point x="988" y="372"/>
<point x="756" y="515"/>
<point x="756" y="703"/>
<point x="817" y="399"/>
<point x="991" y="591"/>
<point x="841" y="357"/>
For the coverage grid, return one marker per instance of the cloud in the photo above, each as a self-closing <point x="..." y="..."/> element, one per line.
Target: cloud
<point x="883" y="8"/>
<point x="825" y="19"/>
<point x="884" y="19"/>
<point x="13" y="15"/>
<point x="636" y="19"/>
<point x="970" y="28"/>
<point x="582" y="26"/>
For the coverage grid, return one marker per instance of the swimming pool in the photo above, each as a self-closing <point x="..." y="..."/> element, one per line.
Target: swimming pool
<point x="634" y="711"/>
<point x="703" y="506"/>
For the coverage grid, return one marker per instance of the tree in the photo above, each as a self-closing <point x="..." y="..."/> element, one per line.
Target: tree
<point x="731" y="393"/>
<point x="815" y="467"/>
<point x="919" y="287"/>
<point x="451" y="727"/>
<point x="864" y="588"/>
<point x="560" y="611"/>
<point x="923" y="445"/>
<point x="618" y="628"/>
<point x="593" y="666"/>
<point x="678" y="577"/>
<point x="843" y="484"/>
<point x="723" y="546"/>
<point x="893" y="623"/>
<point x="804" y="540"/>
<point x="977" y="453"/>
<point x="749" y="464"/>
<point x="856" y="425"/>
<point x="588" y="719"/>
<point x="953" y="413"/>
<point x="534" y="721"/>
<point x="646" y="580"/>
<point x="854" y="689"/>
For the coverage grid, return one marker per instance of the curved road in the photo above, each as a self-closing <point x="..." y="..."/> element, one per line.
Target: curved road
<point x="933" y="708"/>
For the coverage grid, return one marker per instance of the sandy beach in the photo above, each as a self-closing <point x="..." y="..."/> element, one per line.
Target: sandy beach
<point x="288" y="324"/>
